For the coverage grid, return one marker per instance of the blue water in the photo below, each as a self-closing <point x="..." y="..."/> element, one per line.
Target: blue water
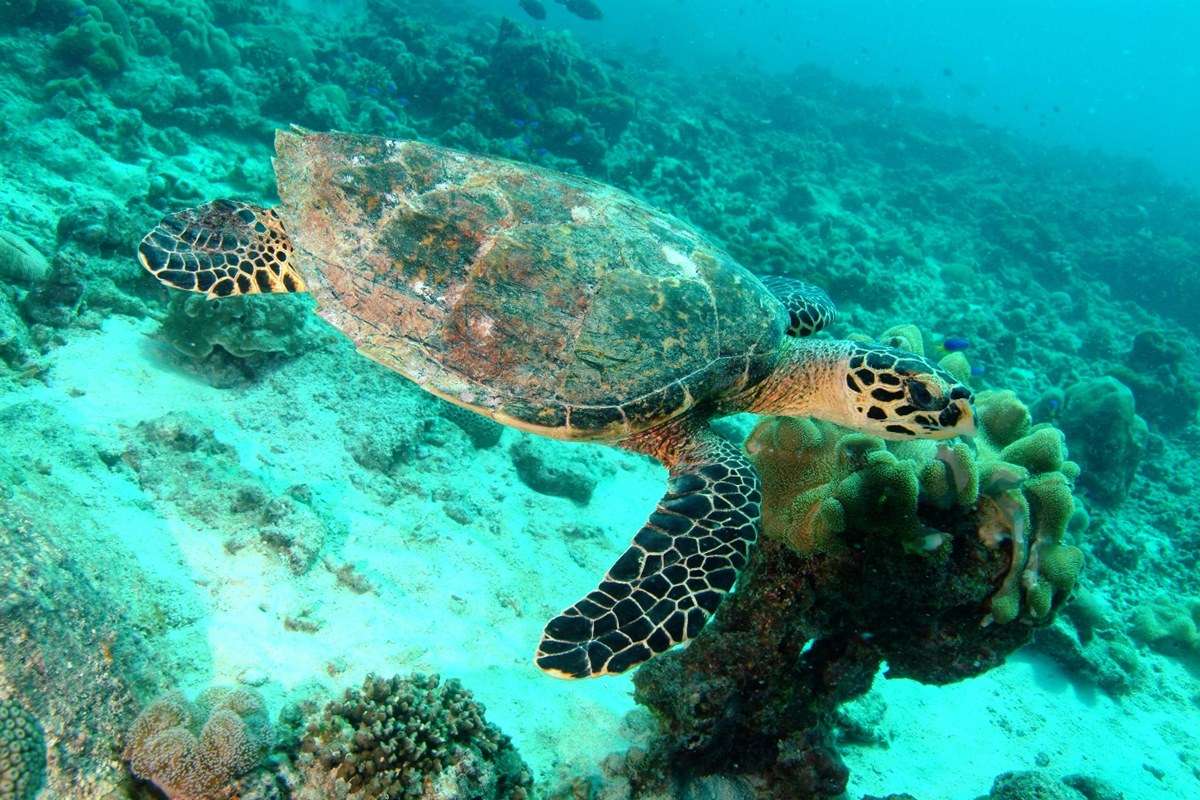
<point x="896" y="302"/>
<point x="1115" y="76"/>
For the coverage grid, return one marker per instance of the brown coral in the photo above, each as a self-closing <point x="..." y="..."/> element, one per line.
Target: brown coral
<point x="196" y="751"/>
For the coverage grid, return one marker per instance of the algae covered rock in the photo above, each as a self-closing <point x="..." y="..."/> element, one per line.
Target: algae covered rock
<point x="241" y="326"/>
<point x="548" y="469"/>
<point x="1157" y="373"/>
<point x="414" y="737"/>
<point x="1107" y="436"/>
<point x="20" y="262"/>
<point x="1031" y="785"/>
<point x="1170" y="625"/>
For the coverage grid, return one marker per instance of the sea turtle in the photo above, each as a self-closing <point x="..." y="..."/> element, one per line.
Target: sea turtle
<point x="565" y="307"/>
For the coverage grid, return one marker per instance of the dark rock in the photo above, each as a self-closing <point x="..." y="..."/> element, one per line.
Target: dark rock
<point x="547" y="469"/>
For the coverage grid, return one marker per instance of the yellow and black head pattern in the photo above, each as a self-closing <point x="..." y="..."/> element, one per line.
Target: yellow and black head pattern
<point x="899" y="395"/>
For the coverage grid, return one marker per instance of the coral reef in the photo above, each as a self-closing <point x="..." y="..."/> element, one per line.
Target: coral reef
<point x="1107" y="436"/>
<point x="68" y="655"/>
<point x="22" y="753"/>
<point x="873" y="552"/>
<point x="1156" y="371"/>
<point x="415" y="737"/>
<point x="117" y="113"/>
<point x="197" y="751"/>
<point x="820" y="481"/>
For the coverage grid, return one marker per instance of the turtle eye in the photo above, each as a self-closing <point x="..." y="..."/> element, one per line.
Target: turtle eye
<point x="924" y="397"/>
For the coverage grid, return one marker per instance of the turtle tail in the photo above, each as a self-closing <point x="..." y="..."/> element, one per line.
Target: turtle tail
<point x="220" y="249"/>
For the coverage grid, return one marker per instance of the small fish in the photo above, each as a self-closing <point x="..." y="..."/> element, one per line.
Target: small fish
<point x="956" y="344"/>
<point x="584" y="9"/>
<point x="533" y="8"/>
<point x="977" y="370"/>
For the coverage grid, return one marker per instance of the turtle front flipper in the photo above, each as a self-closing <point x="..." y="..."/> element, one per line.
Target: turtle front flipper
<point x="809" y="308"/>
<point x="220" y="249"/>
<point x="678" y="567"/>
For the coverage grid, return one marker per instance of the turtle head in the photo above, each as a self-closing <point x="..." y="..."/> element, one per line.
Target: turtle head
<point x="895" y="394"/>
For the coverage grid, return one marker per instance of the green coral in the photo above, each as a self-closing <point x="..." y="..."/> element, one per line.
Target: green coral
<point x="1013" y="484"/>
<point x="400" y="737"/>
<point x="22" y="753"/>
<point x="958" y="366"/>
<point x="197" y="751"/>
<point x="98" y="39"/>
<point x="819" y="479"/>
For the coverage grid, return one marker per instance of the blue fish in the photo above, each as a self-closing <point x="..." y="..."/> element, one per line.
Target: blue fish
<point x="977" y="370"/>
<point x="956" y="344"/>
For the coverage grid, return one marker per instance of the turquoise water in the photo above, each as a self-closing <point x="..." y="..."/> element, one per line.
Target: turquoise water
<point x="242" y="559"/>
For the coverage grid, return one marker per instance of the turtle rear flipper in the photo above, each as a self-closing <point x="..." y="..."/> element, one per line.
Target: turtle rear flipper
<point x="220" y="249"/>
<point x="677" y="569"/>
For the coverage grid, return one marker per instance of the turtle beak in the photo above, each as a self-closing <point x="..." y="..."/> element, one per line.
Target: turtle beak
<point x="966" y="419"/>
<point x="958" y="419"/>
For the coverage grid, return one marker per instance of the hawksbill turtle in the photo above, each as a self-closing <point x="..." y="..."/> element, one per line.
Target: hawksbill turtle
<point x="565" y="307"/>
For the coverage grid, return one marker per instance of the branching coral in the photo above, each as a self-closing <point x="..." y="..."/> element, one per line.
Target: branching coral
<point x="409" y="737"/>
<point x="22" y="753"/>
<point x="196" y="751"/>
